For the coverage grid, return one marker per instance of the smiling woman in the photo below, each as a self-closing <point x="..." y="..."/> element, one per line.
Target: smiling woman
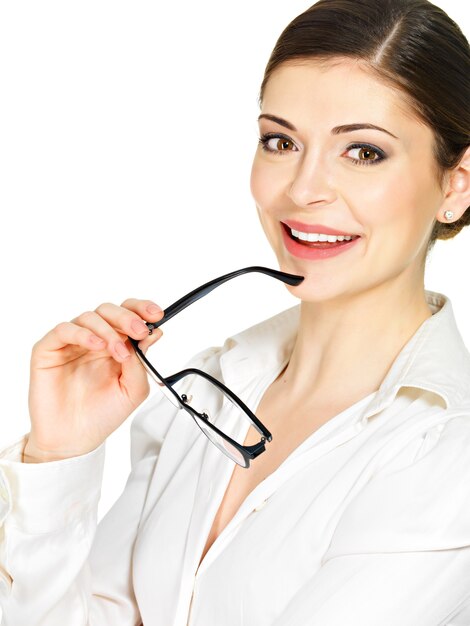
<point x="357" y="512"/>
<point x="310" y="175"/>
<point x="399" y="52"/>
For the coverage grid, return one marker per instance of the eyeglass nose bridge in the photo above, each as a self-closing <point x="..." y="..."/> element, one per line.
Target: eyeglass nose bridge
<point x="204" y="414"/>
<point x="186" y="398"/>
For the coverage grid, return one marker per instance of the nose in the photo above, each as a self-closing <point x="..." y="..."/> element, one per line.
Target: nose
<point x="312" y="185"/>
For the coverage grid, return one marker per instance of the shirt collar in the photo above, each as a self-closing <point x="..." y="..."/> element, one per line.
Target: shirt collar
<point x="434" y="359"/>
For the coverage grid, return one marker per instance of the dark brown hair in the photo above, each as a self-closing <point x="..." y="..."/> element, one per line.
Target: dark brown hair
<point x="412" y="46"/>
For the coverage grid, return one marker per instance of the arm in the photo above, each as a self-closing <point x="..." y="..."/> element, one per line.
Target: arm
<point x="48" y="534"/>
<point x="56" y="566"/>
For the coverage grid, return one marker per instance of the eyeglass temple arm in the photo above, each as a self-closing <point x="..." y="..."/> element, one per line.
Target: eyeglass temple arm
<point x="199" y="292"/>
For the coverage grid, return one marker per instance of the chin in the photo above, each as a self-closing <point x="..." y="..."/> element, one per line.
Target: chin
<point x="309" y="293"/>
<point x="312" y="288"/>
<point x="317" y="286"/>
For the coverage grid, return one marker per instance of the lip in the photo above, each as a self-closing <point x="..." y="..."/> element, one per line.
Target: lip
<point x="312" y="254"/>
<point x="315" y="228"/>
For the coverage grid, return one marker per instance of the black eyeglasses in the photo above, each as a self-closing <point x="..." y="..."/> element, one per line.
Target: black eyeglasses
<point x="197" y="378"/>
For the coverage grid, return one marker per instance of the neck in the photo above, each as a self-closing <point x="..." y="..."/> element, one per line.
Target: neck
<point x="344" y="348"/>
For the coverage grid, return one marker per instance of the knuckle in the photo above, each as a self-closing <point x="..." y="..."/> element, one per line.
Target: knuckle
<point x="86" y="315"/>
<point x="83" y="333"/>
<point x="36" y="346"/>
<point x="60" y="327"/>
<point x="103" y="306"/>
<point x="128" y="302"/>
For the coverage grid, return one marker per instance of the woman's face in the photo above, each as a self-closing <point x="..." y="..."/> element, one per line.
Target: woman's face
<point x="362" y="182"/>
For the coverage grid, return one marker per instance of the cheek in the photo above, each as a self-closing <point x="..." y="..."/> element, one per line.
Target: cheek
<point x="263" y="192"/>
<point x="260" y="189"/>
<point x="383" y="198"/>
<point x="268" y="182"/>
<point x="258" y="185"/>
<point x="395" y="215"/>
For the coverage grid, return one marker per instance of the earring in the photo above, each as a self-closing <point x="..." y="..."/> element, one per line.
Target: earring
<point x="449" y="215"/>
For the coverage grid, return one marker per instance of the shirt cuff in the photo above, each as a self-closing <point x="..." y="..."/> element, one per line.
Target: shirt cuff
<point x="44" y="497"/>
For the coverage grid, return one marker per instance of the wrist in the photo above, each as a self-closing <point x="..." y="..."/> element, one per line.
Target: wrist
<point x="34" y="454"/>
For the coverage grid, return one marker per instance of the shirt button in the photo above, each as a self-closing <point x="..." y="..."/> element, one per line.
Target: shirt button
<point x="260" y="505"/>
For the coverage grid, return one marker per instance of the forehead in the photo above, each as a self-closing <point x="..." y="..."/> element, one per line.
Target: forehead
<point x="306" y="91"/>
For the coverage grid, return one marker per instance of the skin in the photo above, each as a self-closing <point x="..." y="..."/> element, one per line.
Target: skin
<point x="85" y="379"/>
<point x="357" y="309"/>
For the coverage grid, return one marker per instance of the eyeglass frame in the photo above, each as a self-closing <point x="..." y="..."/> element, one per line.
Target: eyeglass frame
<point x="248" y="452"/>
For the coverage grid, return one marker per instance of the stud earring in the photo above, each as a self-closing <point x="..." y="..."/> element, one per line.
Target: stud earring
<point x="449" y="215"/>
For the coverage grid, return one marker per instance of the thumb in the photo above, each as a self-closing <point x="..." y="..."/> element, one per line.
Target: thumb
<point x="134" y="376"/>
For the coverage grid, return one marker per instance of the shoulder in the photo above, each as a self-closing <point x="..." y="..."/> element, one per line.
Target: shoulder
<point x="424" y="506"/>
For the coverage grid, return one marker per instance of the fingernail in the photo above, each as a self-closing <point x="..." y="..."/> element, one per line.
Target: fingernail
<point x="153" y="309"/>
<point x="139" y="327"/>
<point x="122" y="351"/>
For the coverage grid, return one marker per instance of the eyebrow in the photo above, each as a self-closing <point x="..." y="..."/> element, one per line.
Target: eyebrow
<point x="345" y="128"/>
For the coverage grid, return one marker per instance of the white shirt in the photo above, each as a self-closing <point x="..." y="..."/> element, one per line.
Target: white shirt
<point x="366" y="523"/>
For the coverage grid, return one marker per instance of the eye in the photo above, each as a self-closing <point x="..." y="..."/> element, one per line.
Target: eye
<point x="277" y="143"/>
<point x="281" y="146"/>
<point x="371" y="155"/>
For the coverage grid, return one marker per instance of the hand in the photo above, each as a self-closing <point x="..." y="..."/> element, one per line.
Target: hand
<point x="82" y="384"/>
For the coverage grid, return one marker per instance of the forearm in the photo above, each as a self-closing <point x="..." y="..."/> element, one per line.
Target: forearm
<point x="47" y="534"/>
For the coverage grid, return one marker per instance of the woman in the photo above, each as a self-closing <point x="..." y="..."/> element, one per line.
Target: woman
<point x="358" y="510"/>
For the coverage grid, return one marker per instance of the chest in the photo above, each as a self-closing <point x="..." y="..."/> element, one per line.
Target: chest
<point x="286" y="438"/>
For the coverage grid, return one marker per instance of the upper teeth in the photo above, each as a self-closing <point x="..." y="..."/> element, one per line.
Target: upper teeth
<point x="319" y="236"/>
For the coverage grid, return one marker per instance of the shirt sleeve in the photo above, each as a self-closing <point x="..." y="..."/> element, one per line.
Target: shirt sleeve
<point x="57" y="566"/>
<point x="400" y="553"/>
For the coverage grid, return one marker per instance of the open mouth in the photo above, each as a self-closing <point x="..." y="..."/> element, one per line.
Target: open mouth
<point x="318" y="240"/>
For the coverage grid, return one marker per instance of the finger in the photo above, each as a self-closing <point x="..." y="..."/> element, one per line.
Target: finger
<point x="99" y="326"/>
<point x="124" y="320"/>
<point x="134" y="378"/>
<point x="147" y="309"/>
<point x="68" y="333"/>
<point x="150" y="339"/>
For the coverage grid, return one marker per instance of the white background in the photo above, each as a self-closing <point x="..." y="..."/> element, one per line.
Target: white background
<point x="127" y="137"/>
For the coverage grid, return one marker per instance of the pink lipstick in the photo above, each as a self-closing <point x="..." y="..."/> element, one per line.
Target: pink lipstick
<point x="315" y="250"/>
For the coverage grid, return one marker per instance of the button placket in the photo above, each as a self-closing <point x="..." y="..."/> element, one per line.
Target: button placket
<point x="260" y="505"/>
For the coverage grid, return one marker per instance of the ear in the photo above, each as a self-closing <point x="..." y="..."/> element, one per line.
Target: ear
<point x="457" y="197"/>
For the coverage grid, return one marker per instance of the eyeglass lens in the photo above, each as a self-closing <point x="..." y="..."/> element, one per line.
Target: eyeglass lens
<point x="194" y="386"/>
